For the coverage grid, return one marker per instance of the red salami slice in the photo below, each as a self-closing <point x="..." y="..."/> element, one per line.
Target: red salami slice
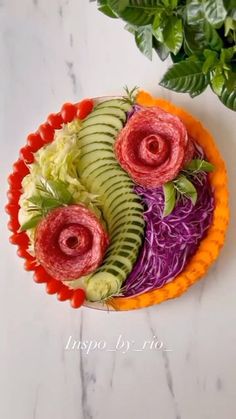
<point x="70" y="242"/>
<point x="153" y="147"/>
<point x="189" y="151"/>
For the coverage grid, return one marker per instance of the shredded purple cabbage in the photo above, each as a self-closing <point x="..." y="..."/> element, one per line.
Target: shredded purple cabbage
<point x="134" y="109"/>
<point x="171" y="241"/>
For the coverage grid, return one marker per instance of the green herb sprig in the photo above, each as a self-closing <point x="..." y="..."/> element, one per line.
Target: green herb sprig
<point x="130" y="95"/>
<point x="51" y="194"/>
<point x="182" y="185"/>
<point x="198" y="35"/>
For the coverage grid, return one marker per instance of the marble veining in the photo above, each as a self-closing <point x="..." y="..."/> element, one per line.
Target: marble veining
<point x="62" y="51"/>
<point x="72" y="75"/>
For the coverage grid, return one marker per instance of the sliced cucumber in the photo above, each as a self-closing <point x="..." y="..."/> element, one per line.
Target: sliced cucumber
<point x="90" y="170"/>
<point x="100" y="144"/>
<point x="97" y="129"/>
<point x="96" y="138"/>
<point x="116" y="228"/>
<point x="118" y="112"/>
<point x="138" y="209"/>
<point x="101" y="285"/>
<point x="103" y="155"/>
<point x="109" y="120"/>
<point x="119" y="103"/>
<point x="121" y="206"/>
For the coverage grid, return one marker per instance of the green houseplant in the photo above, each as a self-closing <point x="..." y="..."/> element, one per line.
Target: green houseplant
<point x="198" y="35"/>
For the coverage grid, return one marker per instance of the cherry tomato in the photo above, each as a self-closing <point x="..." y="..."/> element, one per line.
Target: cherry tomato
<point x="41" y="275"/>
<point x="53" y="286"/>
<point x="34" y="141"/>
<point x="19" y="238"/>
<point x="26" y="154"/>
<point x="13" y="195"/>
<point x="68" y="112"/>
<point x="84" y="108"/>
<point x="55" y="120"/>
<point x="13" y="225"/>
<point x="23" y="253"/>
<point x="20" y="167"/>
<point x="12" y="209"/>
<point x="64" y="293"/>
<point x="46" y="132"/>
<point x="77" y="298"/>
<point x="30" y="265"/>
<point x="14" y="180"/>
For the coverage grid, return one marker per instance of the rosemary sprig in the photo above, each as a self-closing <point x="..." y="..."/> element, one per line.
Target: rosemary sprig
<point x="51" y="194"/>
<point x="130" y="96"/>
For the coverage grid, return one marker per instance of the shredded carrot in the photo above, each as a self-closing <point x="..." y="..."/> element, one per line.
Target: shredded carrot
<point x="210" y="246"/>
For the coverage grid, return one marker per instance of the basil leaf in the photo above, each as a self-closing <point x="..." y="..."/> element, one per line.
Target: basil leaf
<point x="31" y="223"/>
<point x="61" y="191"/>
<point x="52" y="194"/>
<point x="56" y="189"/>
<point x="185" y="76"/>
<point x="215" y="12"/>
<point x="170" y="198"/>
<point x="198" y="165"/>
<point x="143" y="39"/>
<point x="36" y="200"/>
<point x="173" y="34"/>
<point x="185" y="187"/>
<point x="50" y="203"/>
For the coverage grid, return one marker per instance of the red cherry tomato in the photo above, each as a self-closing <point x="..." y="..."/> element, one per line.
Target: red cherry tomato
<point x="46" y="132"/>
<point x="68" y="112"/>
<point x="23" y="253"/>
<point x="84" y="108"/>
<point x="30" y="265"/>
<point x="53" y="286"/>
<point x="13" y="225"/>
<point x="55" y="120"/>
<point x="12" y="209"/>
<point x="19" y="238"/>
<point x="77" y="298"/>
<point x="34" y="141"/>
<point x="13" y="196"/>
<point x="20" y="167"/>
<point x="64" y="293"/>
<point x="41" y="275"/>
<point x="26" y="154"/>
<point x="14" y="180"/>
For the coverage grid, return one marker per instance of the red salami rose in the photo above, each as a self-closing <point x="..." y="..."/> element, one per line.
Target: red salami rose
<point x="70" y="242"/>
<point x="153" y="147"/>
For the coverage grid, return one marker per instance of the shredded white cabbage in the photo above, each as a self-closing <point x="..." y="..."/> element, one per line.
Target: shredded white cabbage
<point x="57" y="161"/>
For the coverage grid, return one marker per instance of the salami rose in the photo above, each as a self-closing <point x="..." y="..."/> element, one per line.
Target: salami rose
<point x="70" y="242"/>
<point x="153" y="147"/>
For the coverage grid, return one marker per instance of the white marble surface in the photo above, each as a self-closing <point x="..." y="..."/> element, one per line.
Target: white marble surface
<point x="62" y="50"/>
